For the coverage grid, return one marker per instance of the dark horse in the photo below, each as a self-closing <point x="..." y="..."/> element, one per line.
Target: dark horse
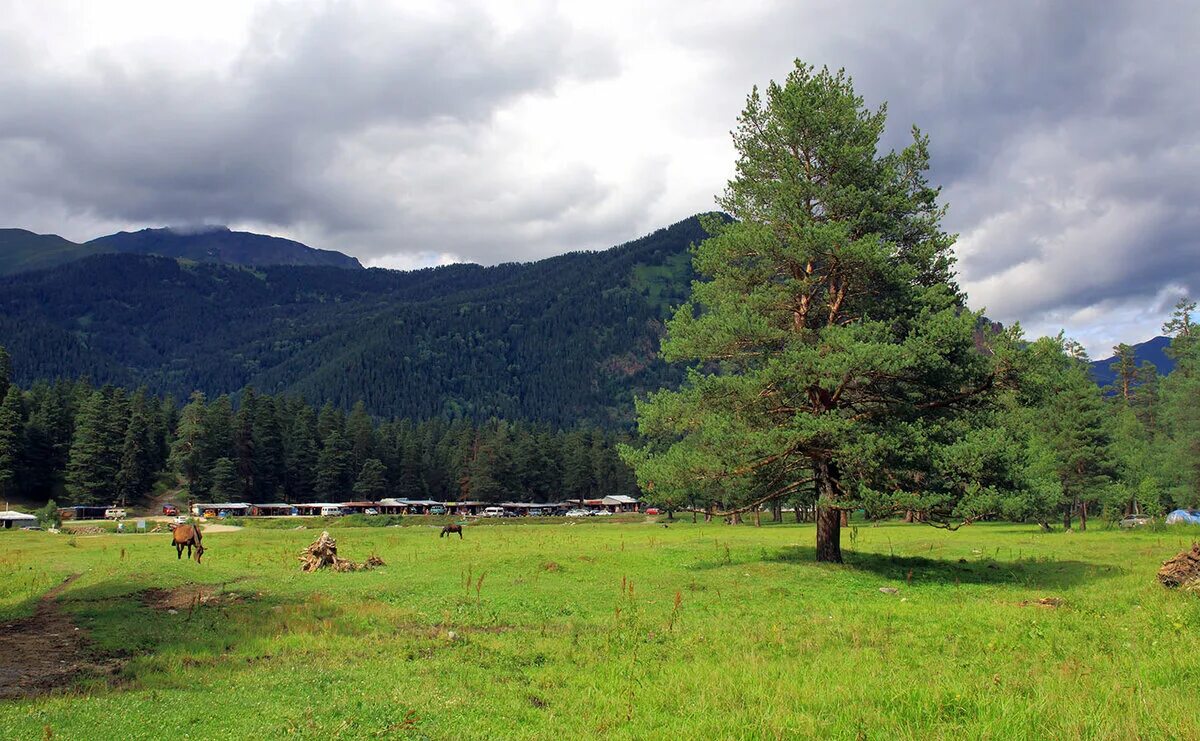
<point x="186" y="535"/>
<point x="451" y="530"/>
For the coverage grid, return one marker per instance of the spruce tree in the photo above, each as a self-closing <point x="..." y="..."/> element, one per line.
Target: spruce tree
<point x="187" y="451"/>
<point x="94" y="457"/>
<point x="371" y="484"/>
<point x="224" y="483"/>
<point x="301" y="457"/>
<point x="11" y="441"/>
<point x="333" y="473"/>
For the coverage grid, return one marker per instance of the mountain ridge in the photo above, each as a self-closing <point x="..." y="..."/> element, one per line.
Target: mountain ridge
<point x="22" y="250"/>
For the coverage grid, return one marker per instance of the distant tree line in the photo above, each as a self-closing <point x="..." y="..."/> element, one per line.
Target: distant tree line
<point x="85" y="445"/>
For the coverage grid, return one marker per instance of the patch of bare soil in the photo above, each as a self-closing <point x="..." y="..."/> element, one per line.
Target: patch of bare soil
<point x="46" y="651"/>
<point x="188" y="597"/>
<point x="1050" y="602"/>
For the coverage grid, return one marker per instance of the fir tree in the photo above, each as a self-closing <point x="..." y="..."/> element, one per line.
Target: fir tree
<point x="372" y="484"/>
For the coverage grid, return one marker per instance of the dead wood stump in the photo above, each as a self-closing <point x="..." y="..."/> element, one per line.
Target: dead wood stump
<point x="1182" y="570"/>
<point x="323" y="554"/>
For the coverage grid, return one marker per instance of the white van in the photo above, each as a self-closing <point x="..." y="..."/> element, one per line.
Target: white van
<point x="332" y="512"/>
<point x="493" y="512"/>
<point x="114" y="513"/>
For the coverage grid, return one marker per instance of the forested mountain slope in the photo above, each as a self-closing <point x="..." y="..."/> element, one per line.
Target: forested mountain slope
<point x="222" y="245"/>
<point x="563" y="340"/>
<point x="22" y="250"/>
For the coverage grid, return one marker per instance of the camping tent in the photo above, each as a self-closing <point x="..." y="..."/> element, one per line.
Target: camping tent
<point x="1184" y="517"/>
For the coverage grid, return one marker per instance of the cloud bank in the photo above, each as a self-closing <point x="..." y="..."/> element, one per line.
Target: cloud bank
<point x="407" y="134"/>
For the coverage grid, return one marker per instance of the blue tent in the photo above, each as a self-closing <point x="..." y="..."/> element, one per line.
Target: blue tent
<point x="1184" y="517"/>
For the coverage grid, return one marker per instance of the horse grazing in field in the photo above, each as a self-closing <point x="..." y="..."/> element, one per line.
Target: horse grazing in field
<point x="451" y="530"/>
<point x="187" y="535"/>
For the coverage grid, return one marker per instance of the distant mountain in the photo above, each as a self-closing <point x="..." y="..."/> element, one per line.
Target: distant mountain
<point x="219" y="244"/>
<point x="569" y="339"/>
<point x="1153" y="350"/>
<point x="21" y="250"/>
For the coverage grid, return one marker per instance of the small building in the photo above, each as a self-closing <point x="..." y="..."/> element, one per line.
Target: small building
<point x="10" y="520"/>
<point x="358" y="508"/>
<point x="272" y="510"/>
<point x="319" y="509"/>
<point x="220" y="509"/>
<point x="620" y="503"/>
<point x="466" y="509"/>
<point x="82" y="512"/>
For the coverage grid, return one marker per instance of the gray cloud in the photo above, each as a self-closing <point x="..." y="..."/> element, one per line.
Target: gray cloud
<point x="1064" y="133"/>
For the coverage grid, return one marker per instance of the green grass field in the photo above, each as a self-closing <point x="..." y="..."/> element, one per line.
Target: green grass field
<point x="621" y="630"/>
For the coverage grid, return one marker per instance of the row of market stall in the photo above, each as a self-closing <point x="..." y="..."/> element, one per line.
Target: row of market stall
<point x="610" y="505"/>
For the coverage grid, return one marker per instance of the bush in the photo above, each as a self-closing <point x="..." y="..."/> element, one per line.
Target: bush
<point x="48" y="516"/>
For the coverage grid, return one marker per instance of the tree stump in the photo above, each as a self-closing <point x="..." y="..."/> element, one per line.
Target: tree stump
<point x="323" y="554"/>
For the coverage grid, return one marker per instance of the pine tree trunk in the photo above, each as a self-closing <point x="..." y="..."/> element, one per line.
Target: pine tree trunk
<point x="757" y="517"/>
<point x="1067" y="517"/>
<point x="796" y="512"/>
<point x="829" y="535"/>
<point x="908" y="515"/>
<point x="1082" y="516"/>
<point x="829" y="517"/>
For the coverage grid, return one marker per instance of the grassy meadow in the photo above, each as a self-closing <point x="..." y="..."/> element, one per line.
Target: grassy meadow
<point x="619" y="630"/>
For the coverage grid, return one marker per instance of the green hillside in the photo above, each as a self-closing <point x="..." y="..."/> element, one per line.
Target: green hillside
<point x="22" y="250"/>
<point x="568" y="339"/>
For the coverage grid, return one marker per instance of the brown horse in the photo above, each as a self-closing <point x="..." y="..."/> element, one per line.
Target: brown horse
<point x="187" y="535"/>
<point x="451" y="530"/>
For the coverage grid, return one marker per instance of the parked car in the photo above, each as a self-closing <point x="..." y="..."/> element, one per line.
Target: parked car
<point x="114" y="513"/>
<point x="653" y="511"/>
<point x="370" y="511"/>
<point x="537" y="512"/>
<point x="332" y="512"/>
<point x="577" y="513"/>
<point x="170" y="509"/>
<point x="493" y="512"/>
<point x="601" y="513"/>
<point x="437" y="509"/>
<point x="181" y="519"/>
<point x="1133" y="521"/>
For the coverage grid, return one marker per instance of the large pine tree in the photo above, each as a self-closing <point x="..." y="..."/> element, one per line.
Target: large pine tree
<point x="830" y="345"/>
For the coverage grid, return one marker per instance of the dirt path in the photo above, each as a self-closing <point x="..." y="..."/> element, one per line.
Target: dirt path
<point x="46" y="651"/>
<point x="217" y="528"/>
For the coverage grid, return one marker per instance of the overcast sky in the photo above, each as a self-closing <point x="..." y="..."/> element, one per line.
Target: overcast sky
<point x="1066" y="134"/>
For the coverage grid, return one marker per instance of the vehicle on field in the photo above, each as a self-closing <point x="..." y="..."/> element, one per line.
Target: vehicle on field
<point x="535" y="512"/>
<point x="653" y="511"/>
<point x="370" y="511"/>
<point x="180" y="519"/>
<point x="600" y="513"/>
<point x="332" y="511"/>
<point x="493" y="512"/>
<point x="1133" y="521"/>
<point x="170" y="509"/>
<point x="577" y="513"/>
<point x="114" y="513"/>
<point x="437" y="509"/>
<point x="1184" y="517"/>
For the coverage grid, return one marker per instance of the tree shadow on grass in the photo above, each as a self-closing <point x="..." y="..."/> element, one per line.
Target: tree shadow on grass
<point x="1038" y="573"/>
